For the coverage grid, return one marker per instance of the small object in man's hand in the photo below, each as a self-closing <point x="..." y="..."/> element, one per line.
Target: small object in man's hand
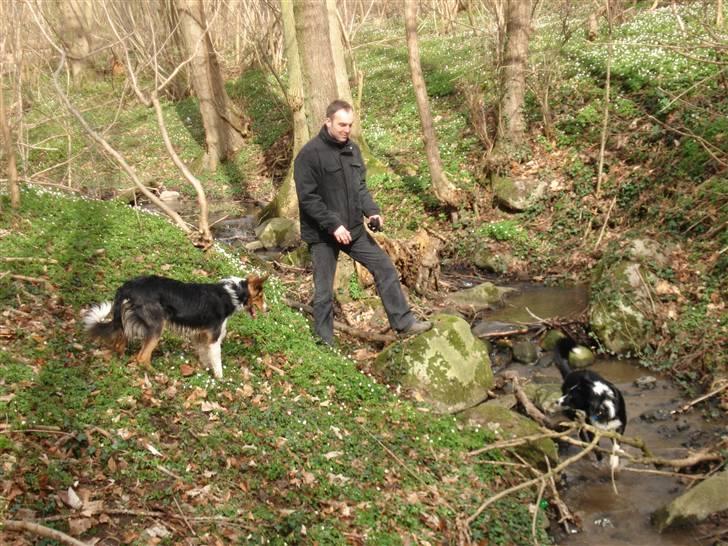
<point x="375" y="224"/>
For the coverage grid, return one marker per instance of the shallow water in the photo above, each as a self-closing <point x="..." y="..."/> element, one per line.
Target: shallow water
<point x="542" y="301"/>
<point x="623" y="518"/>
<point x="610" y="519"/>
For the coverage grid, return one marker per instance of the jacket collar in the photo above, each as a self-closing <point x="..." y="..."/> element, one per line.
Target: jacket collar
<point x="326" y="137"/>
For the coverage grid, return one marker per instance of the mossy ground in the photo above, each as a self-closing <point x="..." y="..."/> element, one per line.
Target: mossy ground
<point x="294" y="445"/>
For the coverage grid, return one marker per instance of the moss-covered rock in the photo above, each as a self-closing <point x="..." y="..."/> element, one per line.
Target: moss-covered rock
<point x="447" y="365"/>
<point x="506" y="425"/>
<point x="544" y="396"/>
<point x="477" y="298"/>
<point x="277" y="233"/>
<point x="617" y="308"/>
<point x="492" y="262"/>
<point x="524" y="351"/>
<point x="708" y="497"/>
<point x="299" y="257"/>
<point x="548" y="343"/>
<point x="517" y="194"/>
<point x="581" y="357"/>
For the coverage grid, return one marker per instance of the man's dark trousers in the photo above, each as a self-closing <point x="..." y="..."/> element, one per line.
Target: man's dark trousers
<point x="364" y="250"/>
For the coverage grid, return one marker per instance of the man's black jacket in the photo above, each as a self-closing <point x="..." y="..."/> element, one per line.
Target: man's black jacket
<point x="331" y="185"/>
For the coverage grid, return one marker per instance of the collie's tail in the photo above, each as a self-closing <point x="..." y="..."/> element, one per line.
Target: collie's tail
<point x="100" y="323"/>
<point x="561" y="355"/>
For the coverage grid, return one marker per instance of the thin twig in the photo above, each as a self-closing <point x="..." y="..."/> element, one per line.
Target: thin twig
<point x="689" y="405"/>
<point x="529" y="483"/>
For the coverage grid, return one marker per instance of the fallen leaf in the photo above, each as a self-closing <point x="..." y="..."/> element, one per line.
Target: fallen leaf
<point x="153" y="450"/>
<point x="186" y="370"/>
<point x="211" y="406"/>
<point x="92" y="508"/>
<point x="157" y="531"/>
<point x="70" y="498"/>
<point x="80" y="525"/>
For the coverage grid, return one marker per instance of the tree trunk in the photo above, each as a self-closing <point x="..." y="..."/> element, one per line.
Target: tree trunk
<point x="719" y="14"/>
<point x="342" y="76"/>
<point x="223" y="126"/>
<point x="518" y="22"/>
<point x="285" y="203"/>
<point x="9" y="148"/>
<point x="317" y="61"/>
<point x="76" y="33"/>
<point x="441" y="186"/>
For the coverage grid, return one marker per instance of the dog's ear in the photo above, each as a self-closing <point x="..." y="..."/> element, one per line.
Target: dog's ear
<point x="255" y="283"/>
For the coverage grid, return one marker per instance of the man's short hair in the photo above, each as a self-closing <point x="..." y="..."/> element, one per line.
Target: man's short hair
<point x="337" y="105"/>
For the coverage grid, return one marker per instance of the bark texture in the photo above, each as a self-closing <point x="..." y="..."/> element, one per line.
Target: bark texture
<point x="518" y="23"/>
<point x="224" y="128"/>
<point x="441" y="186"/>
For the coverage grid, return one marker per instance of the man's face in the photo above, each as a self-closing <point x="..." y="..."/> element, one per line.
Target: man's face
<point x="339" y="126"/>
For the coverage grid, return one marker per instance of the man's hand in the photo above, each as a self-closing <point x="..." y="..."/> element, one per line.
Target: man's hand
<point x="342" y="235"/>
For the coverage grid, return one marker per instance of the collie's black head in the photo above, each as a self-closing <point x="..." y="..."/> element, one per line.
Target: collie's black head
<point x="601" y="401"/>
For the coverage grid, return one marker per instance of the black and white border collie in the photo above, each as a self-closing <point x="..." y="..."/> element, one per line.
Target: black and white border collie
<point x="585" y="390"/>
<point x="142" y="307"/>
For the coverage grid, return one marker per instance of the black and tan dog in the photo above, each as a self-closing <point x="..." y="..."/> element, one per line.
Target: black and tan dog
<point x="143" y="307"/>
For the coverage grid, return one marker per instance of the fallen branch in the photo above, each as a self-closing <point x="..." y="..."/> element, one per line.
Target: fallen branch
<point x="504" y="444"/>
<point x="33" y="280"/>
<point x="565" y="515"/>
<point x="40" y="530"/>
<point x="28" y="259"/>
<point x="534" y="481"/>
<point x="689" y="405"/>
<point x="529" y="407"/>
<point x="360" y="334"/>
<point x="704" y="456"/>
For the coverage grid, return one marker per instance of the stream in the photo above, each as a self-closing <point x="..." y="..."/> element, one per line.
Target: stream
<point x="606" y="518"/>
<point x="623" y="518"/>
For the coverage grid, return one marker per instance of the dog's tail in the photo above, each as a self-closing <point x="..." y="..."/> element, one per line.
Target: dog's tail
<point x="103" y="321"/>
<point x="561" y="355"/>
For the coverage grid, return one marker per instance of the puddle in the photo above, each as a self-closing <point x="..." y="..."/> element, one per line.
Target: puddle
<point x="608" y="518"/>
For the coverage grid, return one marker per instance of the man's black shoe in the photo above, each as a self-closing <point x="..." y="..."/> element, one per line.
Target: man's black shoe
<point x="417" y="327"/>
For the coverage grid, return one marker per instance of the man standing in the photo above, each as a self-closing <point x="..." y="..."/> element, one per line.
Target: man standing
<point x="333" y="199"/>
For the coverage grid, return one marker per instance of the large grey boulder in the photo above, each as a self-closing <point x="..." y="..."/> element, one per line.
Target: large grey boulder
<point x="708" y="497"/>
<point x="446" y="365"/>
<point x="277" y="233"/>
<point x="517" y="194"/>
<point x="625" y="292"/>
<point x="647" y="251"/>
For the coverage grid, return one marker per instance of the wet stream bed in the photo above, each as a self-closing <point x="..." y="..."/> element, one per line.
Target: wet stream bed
<point x="618" y="519"/>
